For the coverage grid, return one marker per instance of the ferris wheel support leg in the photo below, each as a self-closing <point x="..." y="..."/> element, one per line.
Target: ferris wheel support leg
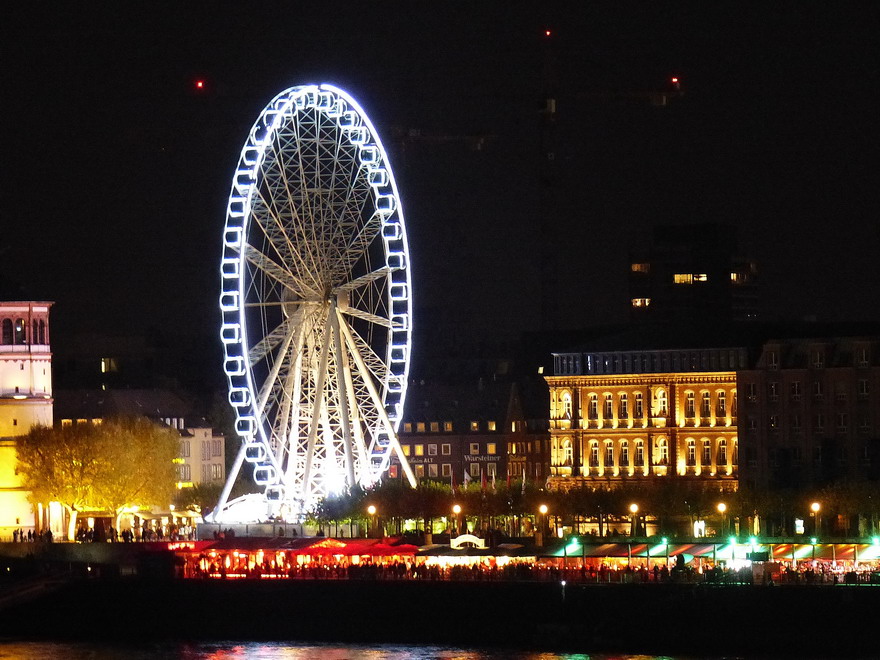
<point x="343" y="398"/>
<point x="230" y="480"/>
<point x="319" y="389"/>
<point x="377" y="401"/>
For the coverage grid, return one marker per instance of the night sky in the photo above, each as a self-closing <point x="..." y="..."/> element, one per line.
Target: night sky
<point x="116" y="168"/>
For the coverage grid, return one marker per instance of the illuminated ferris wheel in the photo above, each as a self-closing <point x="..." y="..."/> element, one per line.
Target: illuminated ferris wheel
<point x="316" y="304"/>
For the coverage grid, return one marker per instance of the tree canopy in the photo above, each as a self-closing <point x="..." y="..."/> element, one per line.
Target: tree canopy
<point x="120" y="463"/>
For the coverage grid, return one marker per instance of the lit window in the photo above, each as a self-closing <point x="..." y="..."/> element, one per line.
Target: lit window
<point x="491" y="425"/>
<point x="405" y="450"/>
<point x="566" y="405"/>
<point x="640" y="268"/>
<point x="683" y="278"/>
<point x="392" y="471"/>
<point x="420" y="450"/>
<point x="420" y="427"/>
<point x="701" y="277"/>
<point x="490" y="447"/>
<point x="475" y="426"/>
<point x="407" y="427"/>
<point x="447" y="427"/>
<point x="435" y="427"/>
<point x="567" y="452"/>
<point x="641" y="302"/>
<point x="420" y="471"/>
<point x="66" y="422"/>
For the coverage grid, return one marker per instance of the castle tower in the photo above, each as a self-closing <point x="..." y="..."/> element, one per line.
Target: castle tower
<point x="25" y="399"/>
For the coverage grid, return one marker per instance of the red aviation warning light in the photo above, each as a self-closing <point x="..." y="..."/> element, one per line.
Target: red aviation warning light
<point x="676" y="83"/>
<point x="200" y="84"/>
<point x="548" y="33"/>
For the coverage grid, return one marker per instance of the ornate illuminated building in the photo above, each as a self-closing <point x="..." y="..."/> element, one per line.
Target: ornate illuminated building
<point x="25" y="398"/>
<point x="644" y="415"/>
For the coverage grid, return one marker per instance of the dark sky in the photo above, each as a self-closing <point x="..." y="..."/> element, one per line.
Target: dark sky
<point x="116" y="170"/>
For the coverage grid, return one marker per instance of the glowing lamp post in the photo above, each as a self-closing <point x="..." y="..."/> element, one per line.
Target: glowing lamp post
<point x="542" y="522"/>
<point x="634" y="510"/>
<point x="815" y="507"/>
<point x="456" y="512"/>
<point x="371" y="510"/>
<point x="722" y="509"/>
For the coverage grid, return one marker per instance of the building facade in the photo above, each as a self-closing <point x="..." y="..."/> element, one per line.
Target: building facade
<point x="25" y="401"/>
<point x="467" y="433"/>
<point x="642" y="415"/>
<point x="811" y="413"/>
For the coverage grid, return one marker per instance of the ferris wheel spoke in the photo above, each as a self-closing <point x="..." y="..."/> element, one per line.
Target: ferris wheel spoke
<point x="278" y="233"/>
<point x="278" y="273"/>
<point x="363" y="280"/>
<point x="366" y="316"/>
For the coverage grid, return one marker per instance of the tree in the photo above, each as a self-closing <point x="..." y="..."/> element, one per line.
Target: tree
<point x="57" y="465"/>
<point x="114" y="465"/>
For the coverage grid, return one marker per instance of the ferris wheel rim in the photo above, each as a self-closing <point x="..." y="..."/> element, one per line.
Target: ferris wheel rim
<point x="243" y="389"/>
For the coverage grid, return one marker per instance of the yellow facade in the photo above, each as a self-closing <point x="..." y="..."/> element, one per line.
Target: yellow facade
<point x="609" y="428"/>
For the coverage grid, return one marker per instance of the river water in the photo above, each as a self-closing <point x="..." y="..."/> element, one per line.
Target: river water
<point x="279" y="650"/>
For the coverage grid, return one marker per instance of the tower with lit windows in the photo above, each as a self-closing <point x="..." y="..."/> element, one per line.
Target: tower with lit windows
<point x="25" y="398"/>
<point x="693" y="274"/>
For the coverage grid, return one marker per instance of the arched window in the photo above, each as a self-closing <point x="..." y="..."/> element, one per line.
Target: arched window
<point x="7" y="331"/>
<point x="567" y="452"/>
<point x="662" y="452"/>
<point x="722" y="403"/>
<point x="722" y="451"/>
<point x="566" y="405"/>
<point x="594" y="454"/>
<point x="623" y="406"/>
<point x="609" y="454"/>
<point x="661" y="403"/>
<point x="640" y="453"/>
<point x="735" y="452"/>
<point x="691" y="451"/>
<point x="20" y="331"/>
<point x="706" y="404"/>
<point x="624" y="454"/>
<point x="689" y="404"/>
<point x="706" y="455"/>
<point x="593" y="406"/>
<point x="608" y="411"/>
<point x="639" y="406"/>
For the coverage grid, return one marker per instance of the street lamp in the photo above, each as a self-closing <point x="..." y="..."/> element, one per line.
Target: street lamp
<point x="634" y="510"/>
<point x="815" y="507"/>
<point x="456" y="510"/>
<point x="539" y="536"/>
<point x="722" y="509"/>
<point x="371" y="510"/>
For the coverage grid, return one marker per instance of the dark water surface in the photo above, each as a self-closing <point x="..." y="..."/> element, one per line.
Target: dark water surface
<point x="281" y="650"/>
